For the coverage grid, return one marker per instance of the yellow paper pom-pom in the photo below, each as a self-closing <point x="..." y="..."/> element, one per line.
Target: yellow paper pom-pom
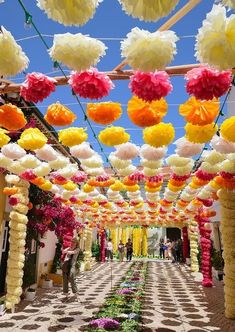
<point x="70" y="186"/>
<point x="133" y="188"/>
<point x="72" y="136"/>
<point x="46" y="186"/>
<point x="159" y="135"/>
<point x="32" y="139"/>
<point x="227" y="129"/>
<point x="4" y="139"/>
<point x="200" y="134"/>
<point x="117" y="186"/>
<point x="87" y="188"/>
<point x="112" y="136"/>
<point x="104" y="113"/>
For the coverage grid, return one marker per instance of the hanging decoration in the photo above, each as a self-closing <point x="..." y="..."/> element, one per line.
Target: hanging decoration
<point x="159" y="135"/>
<point x="229" y="3"/>
<point x="82" y="151"/>
<point x="126" y="151"/>
<point x="72" y="136"/>
<point x="112" y="136"/>
<point x="227" y="129"/>
<point x="11" y="117"/>
<point x="104" y="113"/>
<point x="59" y="115"/>
<point x="13" y="151"/>
<point x="76" y="51"/>
<point x="200" y="134"/>
<point x="32" y="139"/>
<point x="4" y="138"/>
<point x="148" y="51"/>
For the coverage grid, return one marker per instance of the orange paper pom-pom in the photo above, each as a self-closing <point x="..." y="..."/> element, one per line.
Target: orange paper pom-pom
<point x="176" y="183"/>
<point x="104" y="113"/>
<point x="10" y="191"/>
<point x="59" y="115"/>
<point x="11" y="117"/>
<point x="199" y="182"/>
<point x="39" y="181"/>
<point x="199" y="112"/>
<point x="144" y="114"/>
<point x="127" y="182"/>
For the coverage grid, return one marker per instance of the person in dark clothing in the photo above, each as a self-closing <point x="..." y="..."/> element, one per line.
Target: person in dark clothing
<point x="162" y="248"/>
<point x="179" y="251"/>
<point x="129" y="250"/>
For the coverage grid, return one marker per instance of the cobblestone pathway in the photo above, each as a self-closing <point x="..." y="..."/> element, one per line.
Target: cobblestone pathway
<point x="173" y="301"/>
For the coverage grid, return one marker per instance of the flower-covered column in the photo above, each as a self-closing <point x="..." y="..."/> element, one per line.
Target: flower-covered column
<point x="136" y="241"/>
<point x="113" y="236"/>
<point x="88" y="244"/>
<point x="145" y="241"/>
<point x="185" y="243"/>
<point x="18" y="226"/>
<point x="124" y="235"/>
<point x="193" y="236"/>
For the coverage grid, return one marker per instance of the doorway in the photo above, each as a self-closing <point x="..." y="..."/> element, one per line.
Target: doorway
<point x="173" y="233"/>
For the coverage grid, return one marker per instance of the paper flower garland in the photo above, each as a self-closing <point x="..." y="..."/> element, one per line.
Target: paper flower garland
<point x="215" y="39"/>
<point x="199" y="112"/>
<point x="37" y="87"/>
<point x="148" y="10"/>
<point x="4" y="139"/>
<point x="150" y="86"/>
<point x="227" y="129"/>
<point x="126" y="151"/>
<point x="144" y="114"/>
<point x="59" y="115"/>
<point x="159" y="135"/>
<point x="11" y="117"/>
<point x="152" y="154"/>
<point x="206" y="83"/>
<point x="104" y="113"/>
<point x="148" y="51"/>
<point x="91" y="84"/>
<point x="200" y="134"/>
<point x="185" y="148"/>
<point x="78" y="52"/>
<point x="72" y="136"/>
<point x="112" y="136"/>
<point x="32" y="139"/>
<point x="12" y="59"/>
<point x="67" y="12"/>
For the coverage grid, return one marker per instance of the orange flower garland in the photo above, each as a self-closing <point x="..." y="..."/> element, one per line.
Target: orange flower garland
<point x="10" y="191"/>
<point x="59" y="115"/>
<point x="199" y="112"/>
<point x="104" y="113"/>
<point x="145" y="114"/>
<point x="11" y="117"/>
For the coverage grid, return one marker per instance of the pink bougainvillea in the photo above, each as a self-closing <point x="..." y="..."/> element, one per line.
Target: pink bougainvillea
<point x="91" y="84"/>
<point x="150" y="86"/>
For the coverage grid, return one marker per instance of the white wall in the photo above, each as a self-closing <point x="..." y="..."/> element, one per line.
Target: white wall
<point x="47" y="253"/>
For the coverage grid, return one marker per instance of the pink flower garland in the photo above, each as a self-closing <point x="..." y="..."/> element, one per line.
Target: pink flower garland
<point x="208" y="83"/>
<point x="91" y="84"/>
<point x="150" y="86"/>
<point x="37" y="87"/>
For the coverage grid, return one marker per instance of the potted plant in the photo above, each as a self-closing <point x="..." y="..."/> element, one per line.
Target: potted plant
<point x="30" y="294"/>
<point x="218" y="264"/>
<point x="2" y="306"/>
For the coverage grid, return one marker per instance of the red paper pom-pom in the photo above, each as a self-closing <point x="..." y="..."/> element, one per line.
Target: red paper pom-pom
<point x="13" y="201"/>
<point x="79" y="177"/>
<point x="206" y="83"/>
<point x="150" y="86"/>
<point x="205" y="176"/>
<point x="37" y="87"/>
<point x="137" y="176"/>
<point x="91" y="84"/>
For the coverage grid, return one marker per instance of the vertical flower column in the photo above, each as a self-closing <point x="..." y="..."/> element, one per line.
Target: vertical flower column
<point x="88" y="244"/>
<point x="124" y="237"/>
<point x="113" y="236"/>
<point x="185" y="243"/>
<point x="136" y="241"/>
<point x="145" y="241"/>
<point x="18" y="227"/>
<point x="193" y="236"/>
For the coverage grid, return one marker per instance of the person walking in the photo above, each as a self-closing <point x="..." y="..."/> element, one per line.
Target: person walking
<point x="109" y="250"/>
<point x="161" y="248"/>
<point x="129" y="250"/>
<point x="121" y="250"/>
<point x="70" y="255"/>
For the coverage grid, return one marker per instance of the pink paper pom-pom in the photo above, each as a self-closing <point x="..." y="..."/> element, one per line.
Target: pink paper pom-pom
<point x="205" y="176"/>
<point x="150" y="86"/>
<point x="79" y="177"/>
<point x="91" y="84"/>
<point x="28" y="175"/>
<point x="208" y="83"/>
<point x="37" y="87"/>
<point x="13" y="201"/>
<point x="103" y="177"/>
<point x="137" y="176"/>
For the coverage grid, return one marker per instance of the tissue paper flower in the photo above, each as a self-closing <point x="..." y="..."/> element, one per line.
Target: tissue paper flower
<point x="104" y="113"/>
<point x="221" y="145"/>
<point x="159" y="135"/>
<point x="150" y="86"/>
<point x="199" y="112"/>
<point x="32" y="139"/>
<point x="175" y="160"/>
<point x="148" y="10"/>
<point x="126" y="151"/>
<point x="150" y="153"/>
<point x="29" y="161"/>
<point x="13" y="151"/>
<point x="91" y="84"/>
<point x="46" y="153"/>
<point x="93" y="162"/>
<point x="11" y="117"/>
<point x="215" y="39"/>
<point x="72" y="136"/>
<point x="227" y="129"/>
<point x="127" y="171"/>
<point x="206" y="83"/>
<point x="187" y="149"/>
<point x="59" y="115"/>
<point x="200" y="134"/>
<point x="67" y="12"/>
<point x="118" y="163"/>
<point x="112" y="136"/>
<point x="42" y="170"/>
<point x="12" y="59"/>
<point x="151" y="164"/>
<point x="60" y="162"/>
<point x="82" y="151"/>
<point x="148" y="51"/>
<point x="78" y="52"/>
<point x="144" y="114"/>
<point x="37" y="87"/>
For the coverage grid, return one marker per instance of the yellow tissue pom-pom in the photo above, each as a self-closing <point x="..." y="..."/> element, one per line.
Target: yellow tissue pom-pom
<point x="87" y="188"/>
<point x="32" y="139"/>
<point x="72" y="136"/>
<point x="227" y="129"/>
<point x="70" y="185"/>
<point x="200" y="134"/>
<point x="133" y="188"/>
<point x="46" y="186"/>
<point x="159" y="135"/>
<point x="117" y="186"/>
<point x="4" y="139"/>
<point x="112" y="136"/>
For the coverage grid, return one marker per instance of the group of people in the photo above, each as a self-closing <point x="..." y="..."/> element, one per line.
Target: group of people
<point x="122" y="249"/>
<point x="171" y="250"/>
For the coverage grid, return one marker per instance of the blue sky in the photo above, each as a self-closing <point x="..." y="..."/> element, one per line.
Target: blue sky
<point x="109" y="22"/>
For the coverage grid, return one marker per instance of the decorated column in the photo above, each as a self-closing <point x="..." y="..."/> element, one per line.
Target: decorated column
<point x="88" y="244"/>
<point x="113" y="236"/>
<point x="124" y="235"/>
<point x="145" y="241"/>
<point x="185" y="243"/>
<point x="193" y="236"/>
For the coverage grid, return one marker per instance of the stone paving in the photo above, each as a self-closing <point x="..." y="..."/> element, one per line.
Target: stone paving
<point x="173" y="301"/>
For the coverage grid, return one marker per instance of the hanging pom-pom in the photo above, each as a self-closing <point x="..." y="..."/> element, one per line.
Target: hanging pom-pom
<point x="159" y="135"/>
<point x="187" y="149"/>
<point x="82" y="151"/>
<point x="72" y="136"/>
<point x="151" y="153"/>
<point x="104" y="113"/>
<point x="11" y="117"/>
<point x="148" y="51"/>
<point x="32" y="139"/>
<point x="78" y="52"/>
<point x="126" y="151"/>
<point x="112" y="136"/>
<point x="59" y="115"/>
<point x="200" y="134"/>
<point x="13" y="151"/>
<point x="222" y="146"/>
<point x="46" y="153"/>
<point x="206" y="83"/>
<point x="37" y="87"/>
<point x="91" y="84"/>
<point x="150" y="86"/>
<point x="227" y="129"/>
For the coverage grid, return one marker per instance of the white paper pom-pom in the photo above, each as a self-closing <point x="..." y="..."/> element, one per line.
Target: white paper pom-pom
<point x="150" y="171"/>
<point x="93" y="162"/>
<point x="127" y="171"/>
<point x="148" y="51"/>
<point x="4" y="161"/>
<point x="29" y="161"/>
<point x="12" y="179"/>
<point x="214" y="157"/>
<point x="12" y="59"/>
<point x="68" y="171"/>
<point x="215" y="39"/>
<point x="151" y="164"/>
<point x="94" y="171"/>
<point x="69" y="12"/>
<point x="150" y="153"/>
<point x="13" y="151"/>
<point x="148" y="10"/>
<point x="42" y="170"/>
<point x="77" y="52"/>
<point x="118" y="163"/>
<point x="126" y="151"/>
<point x="222" y="146"/>
<point x="187" y="149"/>
<point x="175" y="160"/>
<point x="60" y="162"/>
<point x="46" y="153"/>
<point x="82" y="151"/>
<point x="16" y="168"/>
